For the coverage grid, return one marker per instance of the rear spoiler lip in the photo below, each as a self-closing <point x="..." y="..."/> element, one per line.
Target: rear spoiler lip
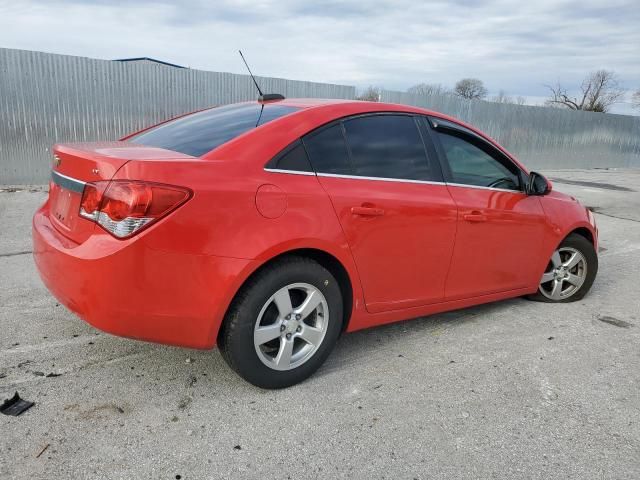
<point x="118" y="150"/>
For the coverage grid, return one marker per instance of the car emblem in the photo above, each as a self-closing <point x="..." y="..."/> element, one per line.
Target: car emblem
<point x="57" y="160"/>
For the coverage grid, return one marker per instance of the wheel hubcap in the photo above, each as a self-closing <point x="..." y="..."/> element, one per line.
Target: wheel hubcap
<point x="564" y="275"/>
<point x="291" y="326"/>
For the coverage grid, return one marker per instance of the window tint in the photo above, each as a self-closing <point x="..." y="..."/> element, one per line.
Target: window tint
<point x="388" y="146"/>
<point x="293" y="158"/>
<point x="201" y="132"/>
<point x="472" y="165"/>
<point x="327" y="151"/>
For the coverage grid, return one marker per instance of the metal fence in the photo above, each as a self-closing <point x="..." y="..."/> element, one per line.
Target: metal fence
<point x="543" y="137"/>
<point x="47" y="98"/>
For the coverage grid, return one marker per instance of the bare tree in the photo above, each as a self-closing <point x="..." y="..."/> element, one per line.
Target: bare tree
<point x="424" y="89"/>
<point x="598" y="92"/>
<point x="503" y="97"/>
<point x="471" y="88"/>
<point x="635" y="99"/>
<point x="370" y="94"/>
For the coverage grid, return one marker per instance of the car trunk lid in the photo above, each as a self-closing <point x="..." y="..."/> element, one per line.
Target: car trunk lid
<point x="76" y="164"/>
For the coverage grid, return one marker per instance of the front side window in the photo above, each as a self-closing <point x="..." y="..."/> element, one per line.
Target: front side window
<point x="201" y="132"/>
<point x="469" y="164"/>
<point x="387" y="146"/>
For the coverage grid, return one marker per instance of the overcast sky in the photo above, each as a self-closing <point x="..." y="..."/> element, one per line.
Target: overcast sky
<point x="517" y="46"/>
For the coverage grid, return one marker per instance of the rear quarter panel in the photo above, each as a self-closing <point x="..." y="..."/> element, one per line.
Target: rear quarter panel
<point x="222" y="218"/>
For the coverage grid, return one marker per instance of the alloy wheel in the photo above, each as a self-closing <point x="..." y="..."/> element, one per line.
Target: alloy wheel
<point x="565" y="274"/>
<point x="291" y="326"/>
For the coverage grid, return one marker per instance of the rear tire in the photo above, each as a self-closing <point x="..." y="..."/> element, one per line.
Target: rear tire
<point x="570" y="272"/>
<point x="283" y="324"/>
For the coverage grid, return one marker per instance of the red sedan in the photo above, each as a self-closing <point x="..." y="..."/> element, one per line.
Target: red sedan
<point x="268" y="228"/>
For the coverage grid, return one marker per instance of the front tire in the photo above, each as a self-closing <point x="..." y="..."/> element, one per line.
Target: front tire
<point x="283" y="324"/>
<point x="570" y="272"/>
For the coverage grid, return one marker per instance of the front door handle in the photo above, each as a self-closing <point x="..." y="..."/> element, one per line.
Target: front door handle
<point x="367" y="211"/>
<point x="475" y="217"/>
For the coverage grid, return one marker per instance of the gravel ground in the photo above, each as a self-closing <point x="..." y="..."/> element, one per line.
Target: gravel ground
<point x="513" y="389"/>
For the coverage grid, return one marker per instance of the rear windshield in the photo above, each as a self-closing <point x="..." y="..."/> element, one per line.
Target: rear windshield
<point x="201" y="132"/>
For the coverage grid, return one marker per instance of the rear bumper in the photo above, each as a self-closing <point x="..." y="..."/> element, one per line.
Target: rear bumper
<point x="127" y="288"/>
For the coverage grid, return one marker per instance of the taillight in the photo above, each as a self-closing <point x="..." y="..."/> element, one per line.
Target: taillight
<point x="124" y="207"/>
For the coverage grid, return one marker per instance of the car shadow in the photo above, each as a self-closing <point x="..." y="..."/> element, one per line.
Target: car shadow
<point x="178" y="365"/>
<point x="355" y="347"/>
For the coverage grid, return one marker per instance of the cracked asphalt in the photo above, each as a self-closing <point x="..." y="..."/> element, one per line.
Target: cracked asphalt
<point x="513" y="389"/>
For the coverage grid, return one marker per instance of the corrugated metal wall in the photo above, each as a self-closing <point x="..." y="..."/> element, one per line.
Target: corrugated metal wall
<point x="543" y="137"/>
<point x="47" y="98"/>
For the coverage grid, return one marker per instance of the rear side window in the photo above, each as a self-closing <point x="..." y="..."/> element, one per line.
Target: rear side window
<point x="201" y="132"/>
<point x="387" y="146"/>
<point x="327" y="151"/>
<point x="293" y="158"/>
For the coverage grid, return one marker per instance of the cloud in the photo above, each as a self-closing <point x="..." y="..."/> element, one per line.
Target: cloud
<point x="512" y="45"/>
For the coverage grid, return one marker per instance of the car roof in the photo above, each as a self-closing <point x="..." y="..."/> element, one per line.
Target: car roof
<point x="335" y="108"/>
<point x="372" y="107"/>
<point x="308" y="102"/>
<point x="367" y="107"/>
<point x="318" y="102"/>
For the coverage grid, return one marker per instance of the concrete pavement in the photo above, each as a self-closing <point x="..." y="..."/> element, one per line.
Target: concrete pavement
<point x="513" y="389"/>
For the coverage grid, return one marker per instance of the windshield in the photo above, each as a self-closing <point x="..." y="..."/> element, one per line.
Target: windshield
<point x="201" y="132"/>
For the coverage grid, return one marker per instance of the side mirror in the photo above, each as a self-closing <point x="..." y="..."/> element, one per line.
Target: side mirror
<point x="538" y="184"/>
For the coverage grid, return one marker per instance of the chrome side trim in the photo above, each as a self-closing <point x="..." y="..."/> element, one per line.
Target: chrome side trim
<point x="385" y="179"/>
<point x="485" y="188"/>
<point x="380" y="179"/>
<point x="292" y="172"/>
<point x="67" y="182"/>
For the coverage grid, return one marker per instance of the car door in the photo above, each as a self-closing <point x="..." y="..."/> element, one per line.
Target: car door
<point x="388" y="193"/>
<point x="500" y="227"/>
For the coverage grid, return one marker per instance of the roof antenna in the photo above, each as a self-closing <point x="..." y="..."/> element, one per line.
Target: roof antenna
<point x="262" y="97"/>
<point x="252" y="77"/>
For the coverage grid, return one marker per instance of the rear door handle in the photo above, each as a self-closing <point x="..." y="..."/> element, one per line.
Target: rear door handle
<point x="368" y="211"/>
<point x="475" y="217"/>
